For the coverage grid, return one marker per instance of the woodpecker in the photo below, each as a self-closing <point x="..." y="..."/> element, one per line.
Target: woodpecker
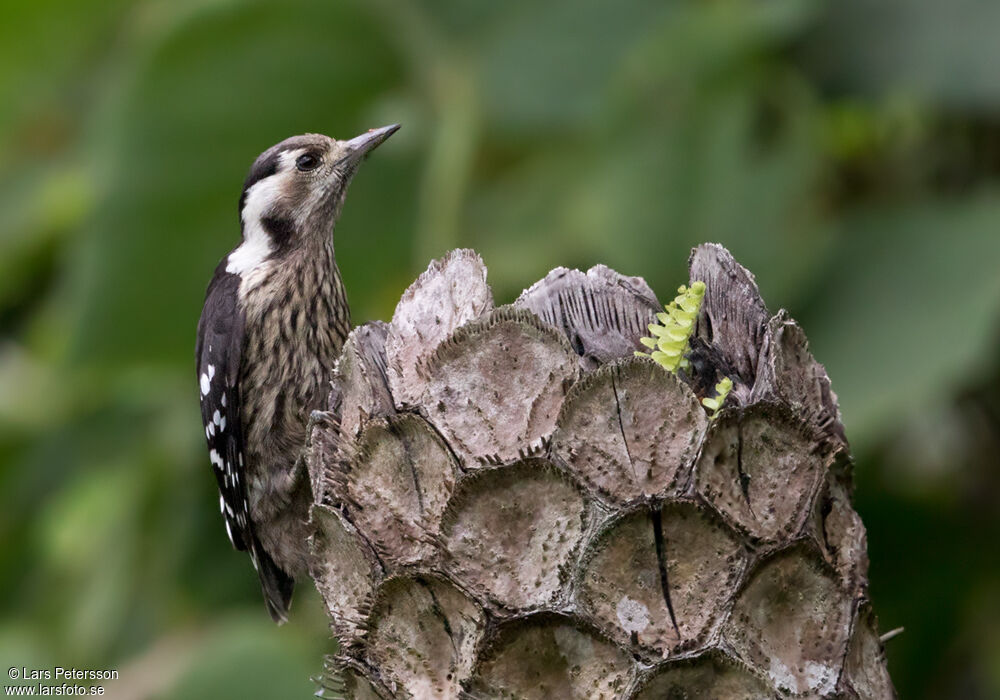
<point x="274" y="320"/>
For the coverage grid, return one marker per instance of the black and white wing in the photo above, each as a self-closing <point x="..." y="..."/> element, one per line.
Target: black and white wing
<point x="218" y="354"/>
<point x="218" y="351"/>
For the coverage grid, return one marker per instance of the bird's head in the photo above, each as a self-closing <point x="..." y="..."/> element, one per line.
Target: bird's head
<point x="295" y="189"/>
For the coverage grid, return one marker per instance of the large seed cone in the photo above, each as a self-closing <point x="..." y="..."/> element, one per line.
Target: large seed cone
<point x="510" y="504"/>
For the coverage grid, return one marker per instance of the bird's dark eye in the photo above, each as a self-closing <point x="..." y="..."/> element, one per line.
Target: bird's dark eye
<point x="307" y="161"/>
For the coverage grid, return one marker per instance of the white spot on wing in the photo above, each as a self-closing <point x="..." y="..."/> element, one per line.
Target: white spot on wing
<point x="216" y="417"/>
<point x="205" y="386"/>
<point x="222" y="423"/>
<point x="216" y="458"/>
<point x="211" y="372"/>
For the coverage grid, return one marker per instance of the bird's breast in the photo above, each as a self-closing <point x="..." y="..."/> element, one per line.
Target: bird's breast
<point x="296" y="321"/>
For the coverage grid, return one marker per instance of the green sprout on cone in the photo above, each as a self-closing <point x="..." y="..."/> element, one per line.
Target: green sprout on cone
<point x="722" y="390"/>
<point x="669" y="343"/>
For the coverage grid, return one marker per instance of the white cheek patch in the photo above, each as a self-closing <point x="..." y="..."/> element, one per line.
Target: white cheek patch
<point x="261" y="197"/>
<point x="256" y="246"/>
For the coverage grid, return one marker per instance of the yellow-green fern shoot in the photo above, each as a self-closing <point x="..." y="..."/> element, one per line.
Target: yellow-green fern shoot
<point x="669" y="343"/>
<point x="722" y="390"/>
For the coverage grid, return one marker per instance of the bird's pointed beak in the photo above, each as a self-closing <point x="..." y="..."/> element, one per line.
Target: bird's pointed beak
<point x="359" y="146"/>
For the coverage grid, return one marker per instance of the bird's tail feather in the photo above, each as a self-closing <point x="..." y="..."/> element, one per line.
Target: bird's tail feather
<point x="276" y="585"/>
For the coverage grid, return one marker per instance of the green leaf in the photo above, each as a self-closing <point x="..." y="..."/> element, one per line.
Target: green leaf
<point x="909" y="309"/>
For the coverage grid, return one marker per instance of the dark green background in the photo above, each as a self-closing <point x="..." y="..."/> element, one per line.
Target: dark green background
<point x="848" y="153"/>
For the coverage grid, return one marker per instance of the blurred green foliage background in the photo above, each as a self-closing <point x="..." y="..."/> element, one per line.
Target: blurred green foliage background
<point x="847" y="152"/>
